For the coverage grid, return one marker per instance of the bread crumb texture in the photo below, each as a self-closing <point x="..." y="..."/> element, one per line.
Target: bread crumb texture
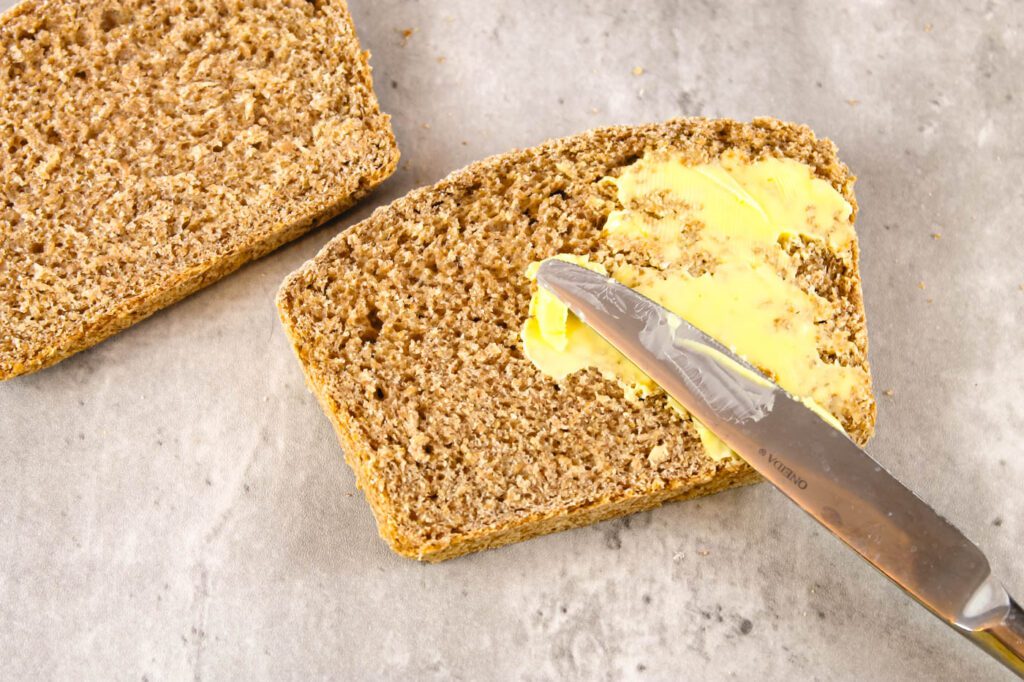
<point x="407" y="327"/>
<point x="149" y="148"/>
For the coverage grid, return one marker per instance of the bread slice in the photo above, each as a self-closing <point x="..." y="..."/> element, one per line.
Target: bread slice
<point x="407" y="327"/>
<point x="149" y="148"/>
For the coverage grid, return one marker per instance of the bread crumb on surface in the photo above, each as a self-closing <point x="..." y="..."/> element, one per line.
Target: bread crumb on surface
<point x="889" y="392"/>
<point x="638" y="70"/>
<point x="920" y="285"/>
<point x="936" y="235"/>
<point x="853" y="102"/>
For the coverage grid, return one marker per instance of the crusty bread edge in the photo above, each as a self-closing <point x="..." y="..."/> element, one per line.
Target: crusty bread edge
<point x="172" y="290"/>
<point x="727" y="475"/>
<point x="731" y="475"/>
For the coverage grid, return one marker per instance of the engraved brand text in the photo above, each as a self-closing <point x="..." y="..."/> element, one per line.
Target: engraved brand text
<point x="783" y="469"/>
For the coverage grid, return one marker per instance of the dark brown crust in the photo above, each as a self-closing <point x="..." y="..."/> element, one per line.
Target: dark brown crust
<point x="343" y="358"/>
<point x="308" y="212"/>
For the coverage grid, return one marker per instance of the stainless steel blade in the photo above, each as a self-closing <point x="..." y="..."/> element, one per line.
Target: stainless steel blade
<point x="812" y="463"/>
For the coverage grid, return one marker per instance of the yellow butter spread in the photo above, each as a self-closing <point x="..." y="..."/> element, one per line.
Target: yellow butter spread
<point x="709" y="242"/>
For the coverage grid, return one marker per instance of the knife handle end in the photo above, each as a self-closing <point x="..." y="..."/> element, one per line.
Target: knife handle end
<point x="1003" y="638"/>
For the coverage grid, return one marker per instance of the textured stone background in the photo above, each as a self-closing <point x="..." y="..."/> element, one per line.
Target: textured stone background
<point x="173" y="503"/>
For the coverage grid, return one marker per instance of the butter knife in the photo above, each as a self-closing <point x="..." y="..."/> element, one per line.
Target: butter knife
<point x="815" y="465"/>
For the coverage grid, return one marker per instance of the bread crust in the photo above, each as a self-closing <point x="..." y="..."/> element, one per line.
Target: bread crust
<point x="344" y="358"/>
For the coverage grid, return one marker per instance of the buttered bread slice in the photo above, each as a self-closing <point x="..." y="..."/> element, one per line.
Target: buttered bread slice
<point x="476" y="412"/>
<point x="716" y="243"/>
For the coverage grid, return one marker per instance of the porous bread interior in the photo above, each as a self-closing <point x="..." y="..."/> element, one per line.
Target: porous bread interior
<point x="407" y="329"/>
<point x="149" y="148"/>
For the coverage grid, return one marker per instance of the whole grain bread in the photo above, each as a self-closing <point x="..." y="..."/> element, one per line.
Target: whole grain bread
<point x="407" y="327"/>
<point x="150" y="148"/>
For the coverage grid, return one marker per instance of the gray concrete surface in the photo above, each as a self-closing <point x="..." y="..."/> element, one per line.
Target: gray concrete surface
<point x="173" y="503"/>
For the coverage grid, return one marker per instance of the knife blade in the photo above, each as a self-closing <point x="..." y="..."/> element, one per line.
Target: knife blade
<point x="815" y="465"/>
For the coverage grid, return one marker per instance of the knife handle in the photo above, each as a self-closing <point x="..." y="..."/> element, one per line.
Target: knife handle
<point x="1004" y="639"/>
